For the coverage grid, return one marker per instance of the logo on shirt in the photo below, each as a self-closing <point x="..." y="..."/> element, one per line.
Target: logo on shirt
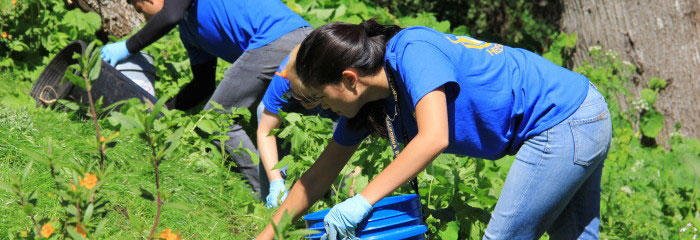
<point x="468" y="42"/>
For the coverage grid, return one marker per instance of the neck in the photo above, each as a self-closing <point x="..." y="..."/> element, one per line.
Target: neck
<point x="377" y="87"/>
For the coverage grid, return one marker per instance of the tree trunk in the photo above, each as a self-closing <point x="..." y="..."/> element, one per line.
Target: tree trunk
<point x="660" y="37"/>
<point x="118" y="17"/>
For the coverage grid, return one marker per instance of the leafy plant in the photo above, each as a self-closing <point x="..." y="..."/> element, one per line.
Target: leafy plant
<point x="32" y="30"/>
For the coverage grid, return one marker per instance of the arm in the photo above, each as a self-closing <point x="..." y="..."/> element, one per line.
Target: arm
<point x="267" y="145"/>
<point x="160" y="24"/>
<point x="431" y="140"/>
<point x="199" y="89"/>
<point x="313" y="184"/>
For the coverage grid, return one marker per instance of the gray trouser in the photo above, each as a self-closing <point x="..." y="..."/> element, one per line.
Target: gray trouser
<point x="243" y="85"/>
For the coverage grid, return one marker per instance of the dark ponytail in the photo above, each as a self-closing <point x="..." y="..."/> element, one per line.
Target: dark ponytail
<point x="334" y="47"/>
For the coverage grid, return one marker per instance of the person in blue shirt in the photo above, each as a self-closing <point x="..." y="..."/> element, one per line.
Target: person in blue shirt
<point x="279" y="97"/>
<point x="253" y="35"/>
<point x="437" y="92"/>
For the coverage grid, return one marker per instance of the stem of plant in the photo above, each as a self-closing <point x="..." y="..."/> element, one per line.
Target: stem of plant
<point x="24" y="205"/>
<point x="93" y="113"/>
<point x="158" y="201"/>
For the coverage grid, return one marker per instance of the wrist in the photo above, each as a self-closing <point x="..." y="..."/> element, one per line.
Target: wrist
<point x="125" y="49"/>
<point x="274" y="175"/>
<point x="362" y="202"/>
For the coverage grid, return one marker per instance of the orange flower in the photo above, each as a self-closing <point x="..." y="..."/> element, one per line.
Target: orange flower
<point x="14" y="1"/>
<point x="46" y="230"/>
<point x="3" y="34"/>
<point x="102" y="139"/>
<point x="89" y="181"/>
<point x="72" y="187"/>
<point x="168" y="234"/>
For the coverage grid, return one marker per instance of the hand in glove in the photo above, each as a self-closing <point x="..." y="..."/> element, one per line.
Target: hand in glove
<point x="276" y="188"/>
<point x="114" y="52"/>
<point x="341" y="221"/>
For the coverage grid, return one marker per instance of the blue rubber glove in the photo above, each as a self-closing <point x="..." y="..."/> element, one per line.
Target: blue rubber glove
<point x="114" y="52"/>
<point x="341" y="221"/>
<point x="276" y="187"/>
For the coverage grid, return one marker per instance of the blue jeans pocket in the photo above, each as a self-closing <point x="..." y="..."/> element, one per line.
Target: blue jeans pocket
<point x="591" y="135"/>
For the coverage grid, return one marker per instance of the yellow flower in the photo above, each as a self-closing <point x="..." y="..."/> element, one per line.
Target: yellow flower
<point x="168" y="234"/>
<point x="23" y="234"/>
<point x="46" y="230"/>
<point x="89" y="181"/>
<point x="4" y="35"/>
<point x="79" y="228"/>
<point x="102" y="139"/>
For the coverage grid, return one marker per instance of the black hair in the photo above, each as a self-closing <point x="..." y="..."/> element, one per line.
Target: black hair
<point x="334" y="47"/>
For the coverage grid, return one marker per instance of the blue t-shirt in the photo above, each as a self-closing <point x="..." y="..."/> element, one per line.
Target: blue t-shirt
<point x="226" y="28"/>
<point x="278" y="96"/>
<point x="497" y="96"/>
<point x="278" y="92"/>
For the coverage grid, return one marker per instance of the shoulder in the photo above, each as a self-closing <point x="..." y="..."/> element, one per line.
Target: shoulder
<point x="415" y="34"/>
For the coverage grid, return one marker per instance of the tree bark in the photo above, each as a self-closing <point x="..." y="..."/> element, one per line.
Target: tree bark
<point x="660" y="37"/>
<point x="118" y="17"/>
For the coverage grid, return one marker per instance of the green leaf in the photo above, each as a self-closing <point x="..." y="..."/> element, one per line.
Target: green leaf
<point x="26" y="172"/>
<point x="72" y="210"/>
<point x="75" y="79"/>
<point x="208" y="126"/>
<point x="85" y="57"/>
<point x="657" y="83"/>
<point x="173" y="141"/>
<point x="340" y="11"/>
<point x="554" y="57"/>
<point x="652" y="122"/>
<point x="450" y="232"/>
<point x="649" y="96"/>
<point x="322" y="14"/>
<point x="157" y="109"/>
<point x="128" y="124"/>
<point x="286" y="160"/>
<point x="88" y="213"/>
<point x="253" y="156"/>
<point x="95" y="67"/>
<point x="8" y="188"/>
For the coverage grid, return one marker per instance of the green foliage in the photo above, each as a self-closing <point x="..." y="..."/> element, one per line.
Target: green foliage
<point x="457" y="193"/>
<point x="32" y="30"/>
<point x="561" y="48"/>
<point x="517" y="23"/>
<point x="651" y="124"/>
<point x="657" y="84"/>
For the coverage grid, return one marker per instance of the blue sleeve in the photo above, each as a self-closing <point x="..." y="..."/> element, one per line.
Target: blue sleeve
<point x="197" y="55"/>
<point x="345" y="136"/>
<point x="420" y="78"/>
<point x="274" y="98"/>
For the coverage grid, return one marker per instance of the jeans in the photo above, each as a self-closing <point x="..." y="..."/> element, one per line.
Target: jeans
<point x="243" y="85"/>
<point x="554" y="182"/>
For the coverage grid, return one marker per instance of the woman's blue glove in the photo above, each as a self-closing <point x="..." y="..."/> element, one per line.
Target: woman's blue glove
<point x="343" y="218"/>
<point x="114" y="52"/>
<point x="276" y="187"/>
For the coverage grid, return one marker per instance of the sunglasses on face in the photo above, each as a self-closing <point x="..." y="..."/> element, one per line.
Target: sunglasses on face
<point x="305" y="99"/>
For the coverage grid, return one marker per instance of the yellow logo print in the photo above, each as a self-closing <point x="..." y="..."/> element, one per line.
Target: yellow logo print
<point x="476" y="44"/>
